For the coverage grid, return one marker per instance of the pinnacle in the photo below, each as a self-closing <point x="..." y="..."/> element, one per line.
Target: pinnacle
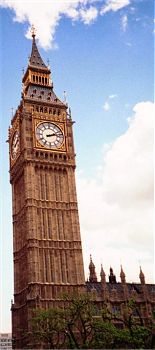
<point x="35" y="58"/>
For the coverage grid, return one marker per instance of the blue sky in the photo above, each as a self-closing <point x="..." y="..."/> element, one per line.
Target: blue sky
<point x="101" y="54"/>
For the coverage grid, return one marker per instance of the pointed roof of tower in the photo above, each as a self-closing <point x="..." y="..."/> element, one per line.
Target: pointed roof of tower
<point x="91" y="264"/>
<point x="112" y="277"/>
<point x="142" y="276"/>
<point x="35" y="58"/>
<point x="103" y="275"/>
<point x="122" y="275"/>
<point x="92" y="273"/>
<point x="37" y="85"/>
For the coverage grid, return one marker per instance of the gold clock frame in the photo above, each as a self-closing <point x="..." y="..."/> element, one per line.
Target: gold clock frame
<point x="36" y="143"/>
<point x="12" y="131"/>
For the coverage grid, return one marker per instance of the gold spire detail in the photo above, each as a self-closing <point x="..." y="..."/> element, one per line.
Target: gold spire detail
<point x="33" y="31"/>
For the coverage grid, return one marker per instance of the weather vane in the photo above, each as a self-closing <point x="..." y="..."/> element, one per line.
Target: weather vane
<point x="12" y="111"/>
<point x="65" y="97"/>
<point x="33" y="31"/>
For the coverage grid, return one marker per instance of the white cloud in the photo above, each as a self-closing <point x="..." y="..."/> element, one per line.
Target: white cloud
<point x="114" y="5"/>
<point x="106" y="106"/>
<point x="116" y="210"/>
<point x="113" y="96"/>
<point x="124" y="22"/>
<point x="88" y="15"/>
<point x="46" y="15"/>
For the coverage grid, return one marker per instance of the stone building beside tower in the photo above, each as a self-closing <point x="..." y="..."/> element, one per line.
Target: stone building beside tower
<point x="47" y="245"/>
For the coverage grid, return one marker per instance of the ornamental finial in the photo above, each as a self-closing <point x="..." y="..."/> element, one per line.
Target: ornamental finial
<point x="33" y="31"/>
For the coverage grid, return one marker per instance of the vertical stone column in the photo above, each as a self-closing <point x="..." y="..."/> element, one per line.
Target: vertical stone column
<point x="144" y="290"/>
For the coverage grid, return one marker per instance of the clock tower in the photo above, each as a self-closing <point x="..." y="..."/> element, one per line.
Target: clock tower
<point x="46" y="233"/>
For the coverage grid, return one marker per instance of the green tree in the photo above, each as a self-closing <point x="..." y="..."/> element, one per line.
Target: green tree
<point x="48" y="328"/>
<point x="133" y="334"/>
<point x="81" y="325"/>
<point x="79" y="321"/>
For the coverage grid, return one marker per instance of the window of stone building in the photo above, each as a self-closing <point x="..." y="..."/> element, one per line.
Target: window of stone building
<point x="135" y="312"/>
<point x="115" y="308"/>
<point x="119" y="325"/>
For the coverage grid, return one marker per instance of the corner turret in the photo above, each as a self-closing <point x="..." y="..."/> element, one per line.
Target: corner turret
<point x="103" y="276"/>
<point x="92" y="273"/>
<point x="112" y="277"/>
<point x="122" y="276"/>
<point x="142" y="276"/>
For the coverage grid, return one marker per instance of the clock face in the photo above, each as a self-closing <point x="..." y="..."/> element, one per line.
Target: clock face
<point x="15" y="145"/>
<point x="49" y="135"/>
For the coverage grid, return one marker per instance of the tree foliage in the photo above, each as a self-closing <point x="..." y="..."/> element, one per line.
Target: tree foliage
<point x="80" y="325"/>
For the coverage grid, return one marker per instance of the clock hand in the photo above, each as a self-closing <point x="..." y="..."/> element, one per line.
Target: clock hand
<point x="50" y="135"/>
<point x="16" y="143"/>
